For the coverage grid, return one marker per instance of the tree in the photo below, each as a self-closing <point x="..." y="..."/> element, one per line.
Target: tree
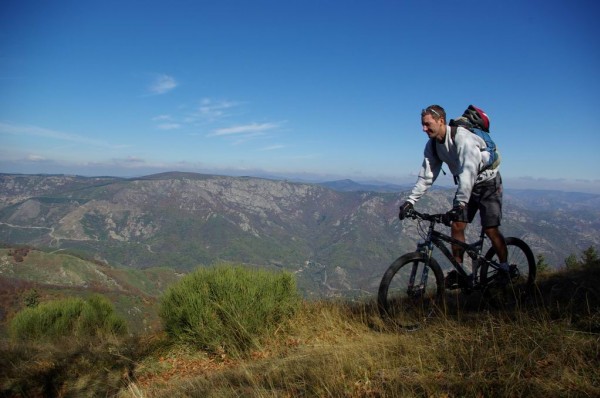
<point x="589" y="258"/>
<point x="571" y="262"/>
<point x="541" y="264"/>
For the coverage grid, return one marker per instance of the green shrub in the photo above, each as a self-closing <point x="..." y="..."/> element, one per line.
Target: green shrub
<point x="68" y="317"/>
<point x="541" y="264"/>
<point x="228" y="307"/>
<point x="31" y="298"/>
<point x="589" y="260"/>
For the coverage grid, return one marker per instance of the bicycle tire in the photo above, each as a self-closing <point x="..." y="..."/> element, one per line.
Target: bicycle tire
<point x="409" y="307"/>
<point x="510" y="294"/>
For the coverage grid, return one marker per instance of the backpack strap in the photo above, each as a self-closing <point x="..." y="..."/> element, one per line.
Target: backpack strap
<point x="453" y="130"/>
<point x="434" y="146"/>
<point x="434" y="150"/>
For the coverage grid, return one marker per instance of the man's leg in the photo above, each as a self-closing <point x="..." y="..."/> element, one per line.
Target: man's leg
<point x="458" y="233"/>
<point x="491" y="216"/>
<point x="498" y="243"/>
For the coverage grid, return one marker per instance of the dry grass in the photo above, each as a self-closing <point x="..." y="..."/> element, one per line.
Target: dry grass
<point x="343" y="350"/>
<point x="70" y="367"/>
<point x="549" y="349"/>
<point x="330" y="350"/>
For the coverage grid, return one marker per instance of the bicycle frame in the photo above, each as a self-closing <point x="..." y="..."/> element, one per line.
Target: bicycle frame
<point x="404" y="294"/>
<point x="473" y="250"/>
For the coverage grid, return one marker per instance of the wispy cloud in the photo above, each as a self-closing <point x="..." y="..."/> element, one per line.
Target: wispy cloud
<point x="35" y="131"/>
<point x="273" y="147"/>
<point x="161" y="118"/>
<point x="35" y="158"/>
<point x="251" y="128"/>
<point x="162" y="84"/>
<point x="168" y="126"/>
<point x="307" y="156"/>
<point x="130" y="161"/>
<point x="212" y="110"/>
<point x="208" y="112"/>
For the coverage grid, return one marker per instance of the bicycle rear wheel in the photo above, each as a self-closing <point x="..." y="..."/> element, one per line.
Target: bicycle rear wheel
<point x="510" y="293"/>
<point x="411" y="290"/>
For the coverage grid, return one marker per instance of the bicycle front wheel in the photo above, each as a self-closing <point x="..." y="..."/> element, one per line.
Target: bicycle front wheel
<point x="507" y="294"/>
<point x="411" y="290"/>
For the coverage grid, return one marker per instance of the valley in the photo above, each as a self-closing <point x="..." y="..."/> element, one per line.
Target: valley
<point x="337" y="242"/>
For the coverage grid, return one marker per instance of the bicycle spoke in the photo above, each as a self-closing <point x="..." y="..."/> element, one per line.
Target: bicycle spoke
<point x="508" y="291"/>
<point x="410" y="291"/>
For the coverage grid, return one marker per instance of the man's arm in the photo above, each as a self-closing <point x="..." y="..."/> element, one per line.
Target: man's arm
<point x="430" y="169"/>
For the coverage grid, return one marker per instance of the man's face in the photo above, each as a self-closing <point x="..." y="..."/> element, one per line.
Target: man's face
<point x="433" y="128"/>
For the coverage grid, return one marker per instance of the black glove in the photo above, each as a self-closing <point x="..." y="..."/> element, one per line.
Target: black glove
<point x="405" y="210"/>
<point x="452" y="215"/>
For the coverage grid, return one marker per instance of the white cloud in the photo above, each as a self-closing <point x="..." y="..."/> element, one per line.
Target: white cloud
<point x="169" y="126"/>
<point x="35" y="158"/>
<point x="161" y="117"/>
<point x="251" y="128"/>
<point x="35" y="131"/>
<point x="308" y="156"/>
<point x="130" y="161"/>
<point x="212" y="110"/>
<point x="163" y="84"/>
<point x="273" y="147"/>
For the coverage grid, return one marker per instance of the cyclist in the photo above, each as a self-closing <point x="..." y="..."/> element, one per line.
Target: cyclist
<point x="478" y="189"/>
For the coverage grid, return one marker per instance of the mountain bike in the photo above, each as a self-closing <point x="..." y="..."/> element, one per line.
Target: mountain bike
<point x="413" y="288"/>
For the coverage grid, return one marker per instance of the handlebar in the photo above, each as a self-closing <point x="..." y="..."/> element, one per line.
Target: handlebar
<point x="438" y="218"/>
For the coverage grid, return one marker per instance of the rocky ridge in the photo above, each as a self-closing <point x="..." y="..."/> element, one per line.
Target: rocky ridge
<point x="336" y="242"/>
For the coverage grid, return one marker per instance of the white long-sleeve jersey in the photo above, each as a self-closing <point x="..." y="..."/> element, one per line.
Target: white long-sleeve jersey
<point x="465" y="156"/>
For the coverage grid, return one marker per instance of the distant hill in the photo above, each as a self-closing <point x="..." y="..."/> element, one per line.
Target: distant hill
<point x="531" y="199"/>
<point x="336" y="241"/>
<point x="58" y="274"/>
<point x="546" y="200"/>
<point x="352" y="186"/>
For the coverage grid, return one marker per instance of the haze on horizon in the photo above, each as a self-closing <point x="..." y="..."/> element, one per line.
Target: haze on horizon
<point x="297" y="89"/>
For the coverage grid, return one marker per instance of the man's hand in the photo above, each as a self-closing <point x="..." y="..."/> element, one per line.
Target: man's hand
<point x="405" y="210"/>
<point x="453" y="215"/>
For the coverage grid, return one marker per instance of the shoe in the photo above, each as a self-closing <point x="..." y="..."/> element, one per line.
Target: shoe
<point x="451" y="281"/>
<point x="502" y="277"/>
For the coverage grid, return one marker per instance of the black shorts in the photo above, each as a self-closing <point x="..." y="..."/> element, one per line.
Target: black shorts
<point x="487" y="198"/>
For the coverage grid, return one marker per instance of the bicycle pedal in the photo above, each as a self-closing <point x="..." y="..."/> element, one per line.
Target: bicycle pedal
<point x="502" y="279"/>
<point x="452" y="280"/>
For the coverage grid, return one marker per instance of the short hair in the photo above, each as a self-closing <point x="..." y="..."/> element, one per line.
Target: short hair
<point x="435" y="111"/>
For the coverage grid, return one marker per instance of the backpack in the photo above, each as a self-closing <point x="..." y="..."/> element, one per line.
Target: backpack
<point x="494" y="160"/>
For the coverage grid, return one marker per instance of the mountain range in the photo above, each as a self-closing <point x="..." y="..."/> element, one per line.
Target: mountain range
<point x="336" y="237"/>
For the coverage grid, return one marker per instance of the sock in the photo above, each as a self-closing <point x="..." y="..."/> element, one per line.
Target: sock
<point x="504" y="267"/>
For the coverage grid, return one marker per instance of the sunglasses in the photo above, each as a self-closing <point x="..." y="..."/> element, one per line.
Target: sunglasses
<point x="428" y="110"/>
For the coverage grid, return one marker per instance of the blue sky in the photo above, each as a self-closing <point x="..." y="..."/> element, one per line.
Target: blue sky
<point x="318" y="90"/>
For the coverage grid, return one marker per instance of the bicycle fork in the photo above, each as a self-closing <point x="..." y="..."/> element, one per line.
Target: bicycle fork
<point x="418" y="290"/>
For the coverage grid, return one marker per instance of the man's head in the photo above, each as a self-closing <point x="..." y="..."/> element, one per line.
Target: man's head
<point x="433" y="121"/>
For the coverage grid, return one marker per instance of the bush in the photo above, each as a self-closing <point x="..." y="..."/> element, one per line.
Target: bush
<point x="228" y="307"/>
<point x="541" y="265"/>
<point x="68" y="317"/>
<point x="589" y="260"/>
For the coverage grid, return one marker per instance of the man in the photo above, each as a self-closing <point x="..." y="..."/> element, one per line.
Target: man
<point x="479" y="188"/>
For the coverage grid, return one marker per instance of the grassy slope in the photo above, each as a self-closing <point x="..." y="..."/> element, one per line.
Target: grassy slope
<point x="337" y="349"/>
<point x="58" y="274"/>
